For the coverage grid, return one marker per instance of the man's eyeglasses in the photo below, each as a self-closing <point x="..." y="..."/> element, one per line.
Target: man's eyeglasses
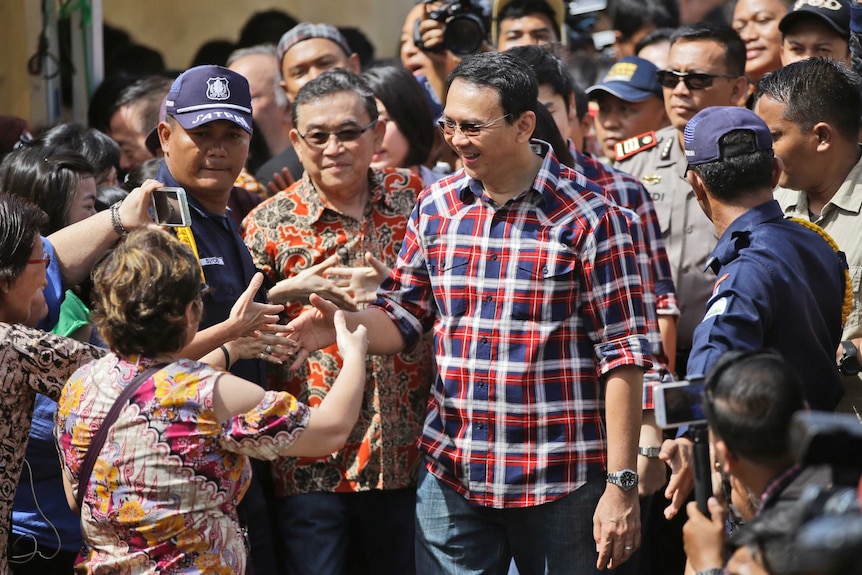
<point x="46" y="260"/>
<point x="469" y="129"/>
<point x="319" y="138"/>
<point x="692" y="80"/>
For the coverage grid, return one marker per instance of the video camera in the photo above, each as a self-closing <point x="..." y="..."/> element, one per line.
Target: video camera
<point x="463" y="28"/>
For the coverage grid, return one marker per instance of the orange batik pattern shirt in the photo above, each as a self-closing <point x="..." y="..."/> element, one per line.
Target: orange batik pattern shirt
<point x="297" y="229"/>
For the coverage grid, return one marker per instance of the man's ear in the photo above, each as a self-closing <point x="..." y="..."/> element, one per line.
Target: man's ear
<point x="353" y="64"/>
<point x="164" y="130"/>
<point x="777" y="168"/>
<point x="740" y="91"/>
<point x="526" y="124"/>
<point x="295" y="141"/>
<point x="731" y="461"/>
<point x="825" y="133"/>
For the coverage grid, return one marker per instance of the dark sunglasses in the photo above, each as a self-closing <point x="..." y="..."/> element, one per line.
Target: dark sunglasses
<point x="319" y="138"/>
<point x="692" y="80"/>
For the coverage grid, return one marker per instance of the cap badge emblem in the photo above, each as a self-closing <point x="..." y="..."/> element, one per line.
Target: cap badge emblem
<point x="217" y="88"/>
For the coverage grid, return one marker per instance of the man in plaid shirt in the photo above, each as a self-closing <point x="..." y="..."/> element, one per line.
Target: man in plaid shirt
<point x="528" y="278"/>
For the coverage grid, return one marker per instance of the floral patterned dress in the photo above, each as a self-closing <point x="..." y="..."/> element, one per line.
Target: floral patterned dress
<point x="163" y="493"/>
<point x="31" y="361"/>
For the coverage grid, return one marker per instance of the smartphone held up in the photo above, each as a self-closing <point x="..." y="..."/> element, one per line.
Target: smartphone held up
<point x="171" y="207"/>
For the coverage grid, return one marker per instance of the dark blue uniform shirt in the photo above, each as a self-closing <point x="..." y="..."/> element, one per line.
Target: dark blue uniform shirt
<point x="227" y="266"/>
<point x="779" y="286"/>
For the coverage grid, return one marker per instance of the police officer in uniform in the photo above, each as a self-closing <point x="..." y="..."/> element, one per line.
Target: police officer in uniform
<point x="706" y="67"/>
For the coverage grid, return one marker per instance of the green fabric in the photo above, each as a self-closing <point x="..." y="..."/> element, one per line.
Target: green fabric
<point x="73" y="315"/>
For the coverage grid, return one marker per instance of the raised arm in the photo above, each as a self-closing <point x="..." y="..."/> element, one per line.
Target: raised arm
<point x="78" y="246"/>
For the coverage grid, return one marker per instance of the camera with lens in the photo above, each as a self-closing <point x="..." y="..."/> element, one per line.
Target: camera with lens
<point x="822" y="532"/>
<point x="464" y="28"/>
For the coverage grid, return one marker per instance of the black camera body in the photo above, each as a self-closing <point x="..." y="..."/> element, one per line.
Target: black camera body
<point x="463" y="28"/>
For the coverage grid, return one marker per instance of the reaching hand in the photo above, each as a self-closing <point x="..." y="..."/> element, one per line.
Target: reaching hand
<point x="677" y="453"/>
<point x="362" y="282"/>
<point x="703" y="537"/>
<point x="135" y="209"/>
<point x="268" y="347"/>
<point x="313" y="329"/>
<point x="351" y="345"/>
<point x="280" y="181"/>
<point x="248" y="317"/>
<point x="312" y="280"/>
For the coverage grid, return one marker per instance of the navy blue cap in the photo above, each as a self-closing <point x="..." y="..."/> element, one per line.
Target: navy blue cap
<point x="703" y="132"/>
<point x="204" y="94"/>
<point x="631" y="79"/>
<point x="834" y="13"/>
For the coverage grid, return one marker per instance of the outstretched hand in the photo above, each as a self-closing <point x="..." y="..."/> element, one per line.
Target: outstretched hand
<point x="313" y="329"/>
<point x="360" y="282"/>
<point x="251" y="318"/>
<point x="677" y="453"/>
<point x="313" y="281"/>
<point x="703" y="537"/>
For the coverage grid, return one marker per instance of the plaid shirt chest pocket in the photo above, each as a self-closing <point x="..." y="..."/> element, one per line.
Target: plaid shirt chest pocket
<point x="453" y="279"/>
<point x="545" y="286"/>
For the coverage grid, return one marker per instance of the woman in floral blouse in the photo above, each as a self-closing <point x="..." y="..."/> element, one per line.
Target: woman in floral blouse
<point x="163" y="492"/>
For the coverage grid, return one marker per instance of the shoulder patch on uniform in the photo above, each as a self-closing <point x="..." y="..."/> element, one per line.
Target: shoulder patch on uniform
<point x="717" y="308"/>
<point x="630" y="147"/>
<point x="718" y="283"/>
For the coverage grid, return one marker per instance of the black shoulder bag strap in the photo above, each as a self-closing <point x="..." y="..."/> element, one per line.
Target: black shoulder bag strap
<point x="95" y="447"/>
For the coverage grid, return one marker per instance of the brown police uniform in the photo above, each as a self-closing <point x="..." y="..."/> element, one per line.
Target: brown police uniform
<point x="658" y="160"/>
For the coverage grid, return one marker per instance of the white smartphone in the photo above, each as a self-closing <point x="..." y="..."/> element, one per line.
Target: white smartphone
<point x="171" y="207"/>
<point x="679" y="403"/>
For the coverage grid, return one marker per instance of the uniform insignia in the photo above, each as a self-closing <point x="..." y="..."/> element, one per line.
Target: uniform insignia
<point x="717" y="308"/>
<point x="217" y="88"/>
<point x="630" y="147"/>
<point x="651" y="179"/>
<point x="718" y="283"/>
<point x="665" y="150"/>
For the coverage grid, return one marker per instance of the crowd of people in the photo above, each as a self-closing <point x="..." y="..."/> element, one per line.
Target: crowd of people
<point x="423" y="311"/>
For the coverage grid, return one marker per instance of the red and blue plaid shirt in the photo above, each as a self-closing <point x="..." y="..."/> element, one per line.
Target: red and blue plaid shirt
<point x="532" y="303"/>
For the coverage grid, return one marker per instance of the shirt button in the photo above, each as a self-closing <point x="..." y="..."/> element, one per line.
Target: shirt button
<point x="488" y="298"/>
<point x="494" y="257"/>
<point x="484" y="340"/>
<point x="689" y="229"/>
<point x="481" y="383"/>
<point x="231" y="291"/>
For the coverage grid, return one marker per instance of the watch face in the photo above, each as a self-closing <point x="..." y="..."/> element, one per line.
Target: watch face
<point x="628" y="479"/>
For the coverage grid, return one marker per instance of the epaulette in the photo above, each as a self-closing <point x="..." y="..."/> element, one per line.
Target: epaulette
<point x="665" y="151"/>
<point x="630" y="147"/>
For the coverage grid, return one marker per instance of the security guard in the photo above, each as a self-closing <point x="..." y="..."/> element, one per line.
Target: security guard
<point x="706" y="66"/>
<point x="781" y="284"/>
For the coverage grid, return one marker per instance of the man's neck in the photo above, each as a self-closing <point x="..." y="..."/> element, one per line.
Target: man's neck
<point x="821" y="194"/>
<point x="518" y="178"/>
<point x="215" y="205"/>
<point x="348" y="202"/>
<point x="723" y="215"/>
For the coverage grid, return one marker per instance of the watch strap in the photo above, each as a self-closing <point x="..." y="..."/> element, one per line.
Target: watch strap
<point x="711" y="571"/>
<point x="650" y="452"/>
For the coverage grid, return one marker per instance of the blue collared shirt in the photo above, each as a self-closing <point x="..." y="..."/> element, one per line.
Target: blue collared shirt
<point x="779" y="286"/>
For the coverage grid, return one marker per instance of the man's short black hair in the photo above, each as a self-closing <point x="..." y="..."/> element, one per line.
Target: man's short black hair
<point x="331" y="82"/>
<point x="816" y="90"/>
<point x="655" y="37"/>
<point x="734" y="47"/>
<point x="751" y="397"/>
<point x="511" y="77"/>
<point x="520" y="8"/>
<point x="147" y="93"/>
<point x="549" y="69"/>
<point x="732" y="178"/>
<point x="630" y="16"/>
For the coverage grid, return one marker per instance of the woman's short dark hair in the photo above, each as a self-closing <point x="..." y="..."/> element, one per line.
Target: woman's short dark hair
<point x="98" y="148"/>
<point x="20" y="222"/>
<point x="141" y="291"/>
<point x="48" y="177"/>
<point x="512" y="79"/>
<point x="405" y="102"/>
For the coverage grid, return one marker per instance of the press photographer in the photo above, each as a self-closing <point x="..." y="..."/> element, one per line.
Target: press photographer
<point x="461" y="27"/>
<point x="750" y="399"/>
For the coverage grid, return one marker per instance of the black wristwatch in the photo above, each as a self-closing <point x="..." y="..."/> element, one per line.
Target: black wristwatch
<point x="849" y="362"/>
<point x="625" y="479"/>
